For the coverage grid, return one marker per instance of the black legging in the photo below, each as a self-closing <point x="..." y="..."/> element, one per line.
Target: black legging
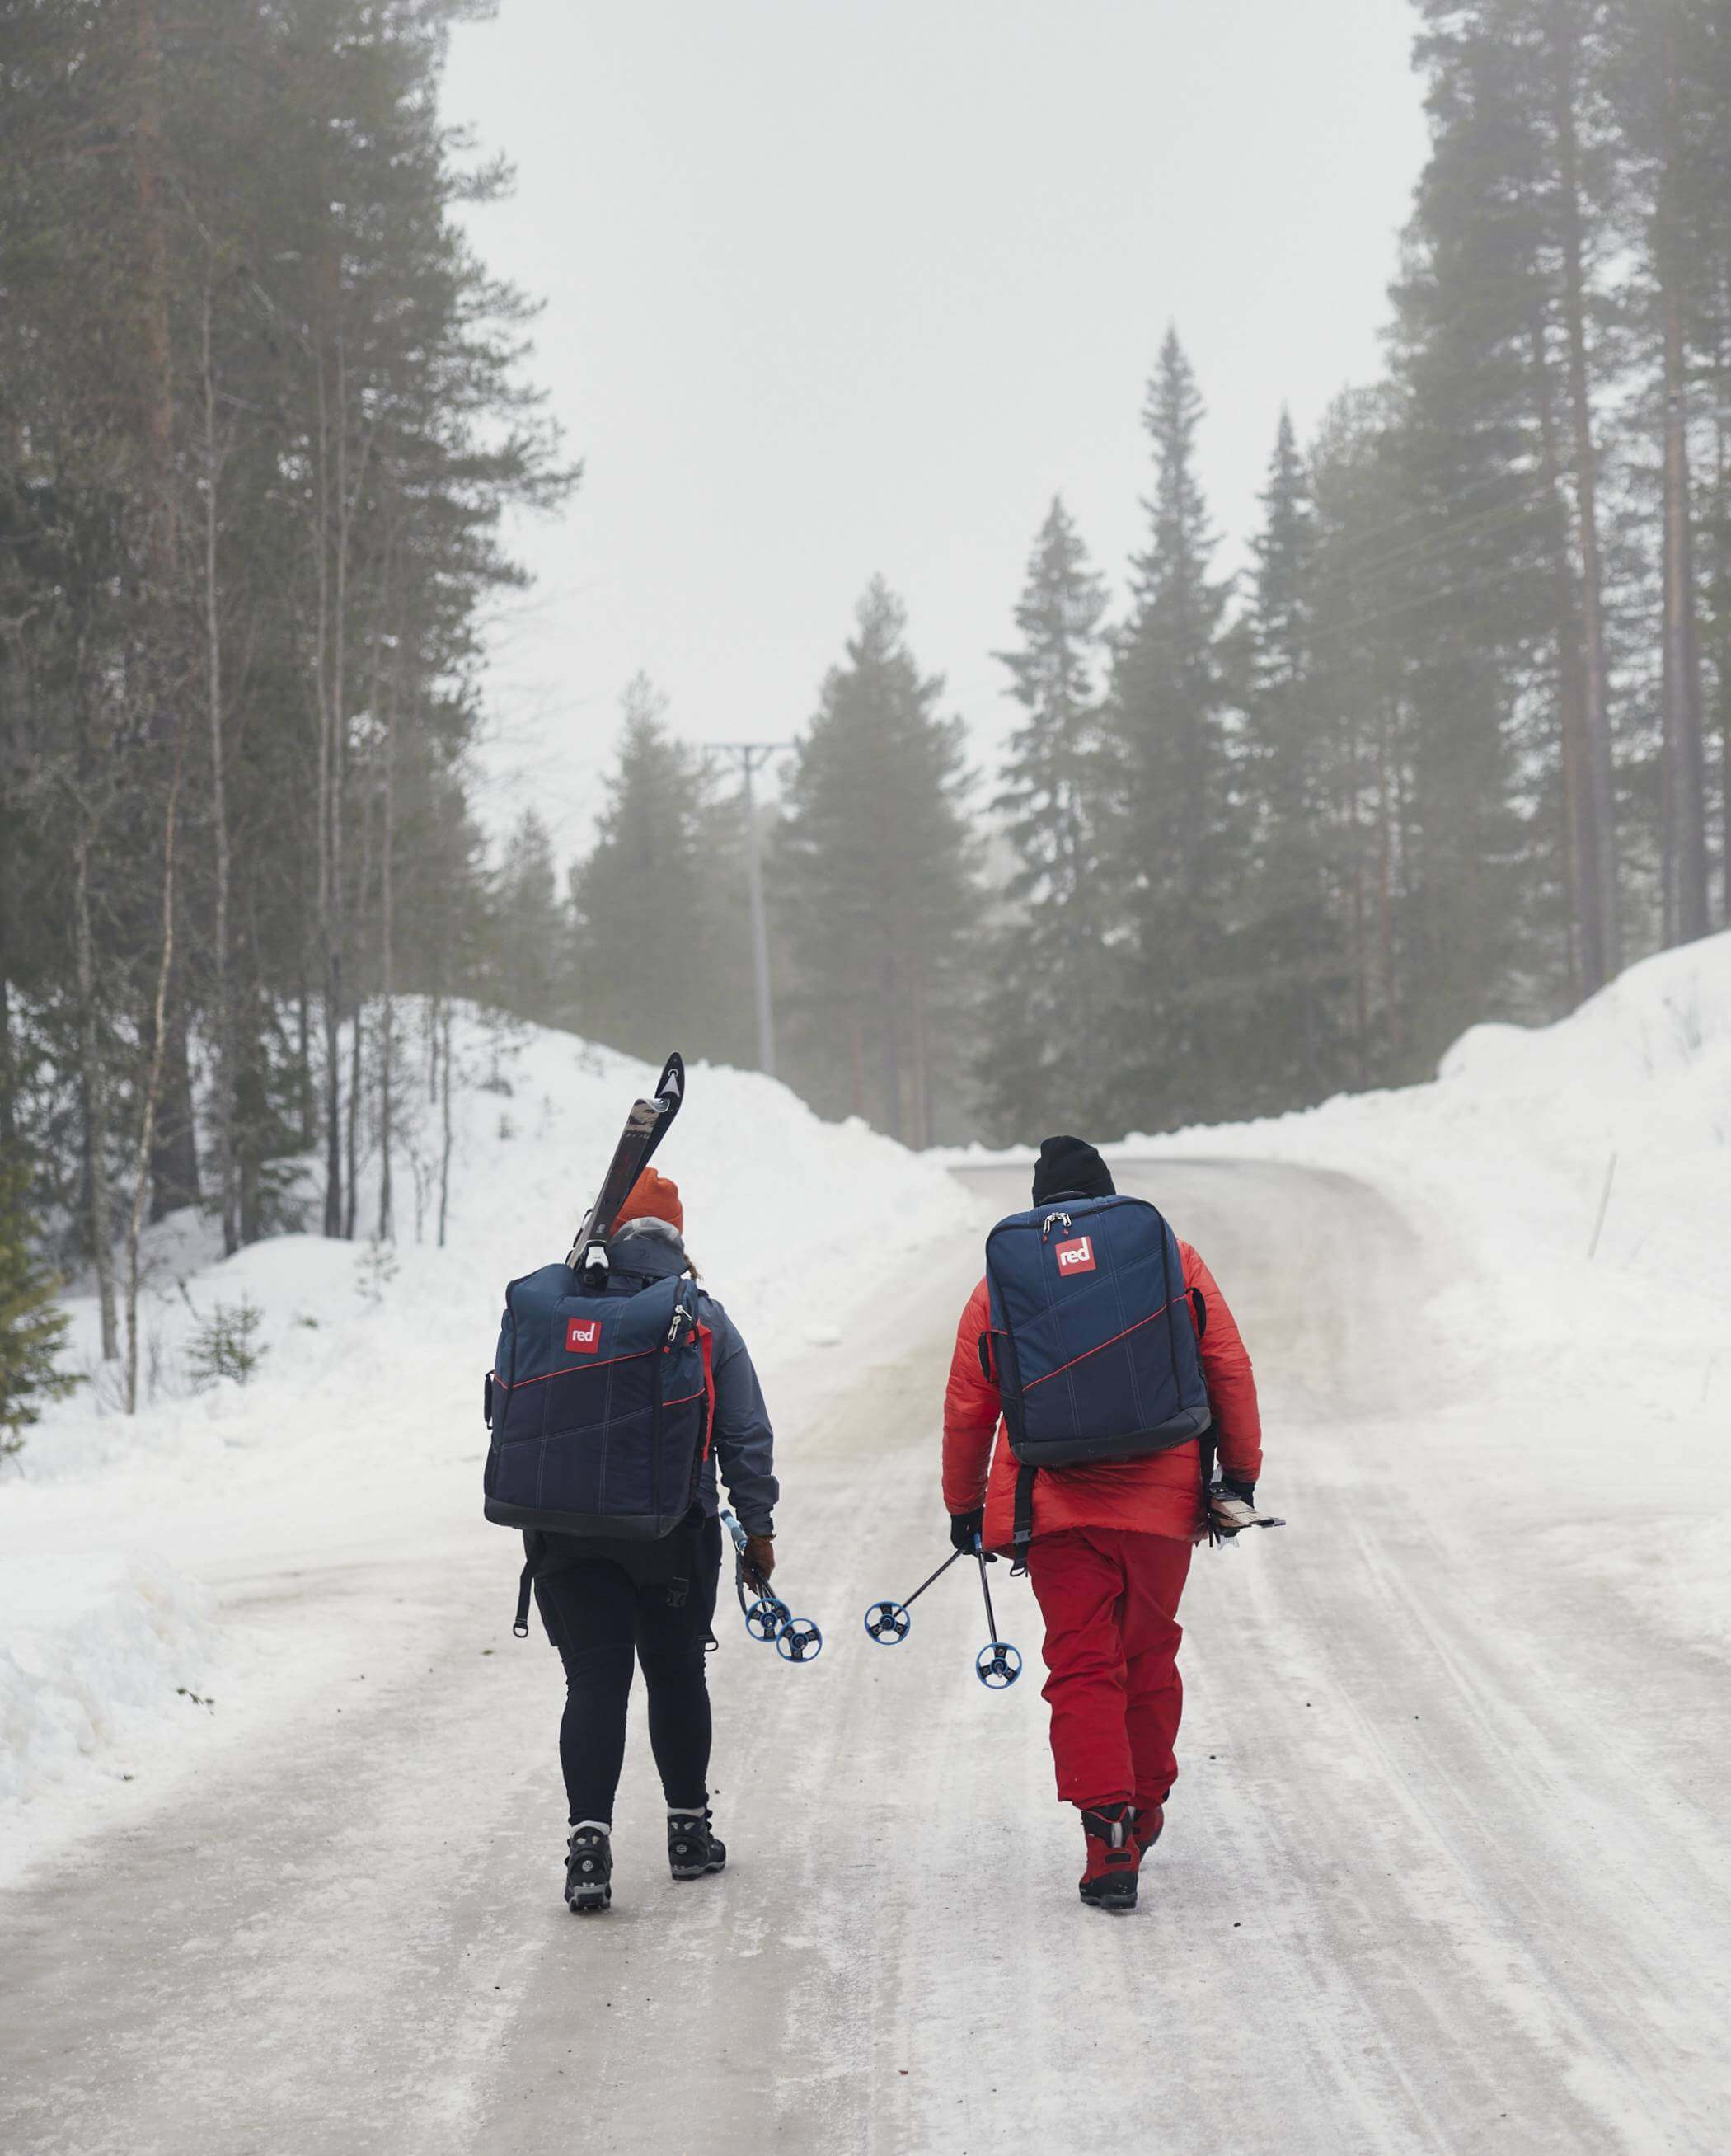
<point x="601" y="1613"/>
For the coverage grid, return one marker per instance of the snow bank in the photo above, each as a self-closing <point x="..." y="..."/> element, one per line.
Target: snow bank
<point x="359" y="1435"/>
<point x="97" y="1646"/>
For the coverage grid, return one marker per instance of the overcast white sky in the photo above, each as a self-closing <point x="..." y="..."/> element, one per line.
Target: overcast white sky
<point x="842" y="287"/>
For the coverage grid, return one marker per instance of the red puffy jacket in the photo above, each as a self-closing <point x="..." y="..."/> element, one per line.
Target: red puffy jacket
<point x="1156" y="1495"/>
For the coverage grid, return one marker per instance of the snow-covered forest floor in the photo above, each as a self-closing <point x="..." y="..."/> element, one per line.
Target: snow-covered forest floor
<point x="358" y="1438"/>
<point x="1447" y="1868"/>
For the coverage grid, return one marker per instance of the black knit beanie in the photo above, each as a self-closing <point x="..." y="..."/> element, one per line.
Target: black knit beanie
<point x="1068" y="1167"/>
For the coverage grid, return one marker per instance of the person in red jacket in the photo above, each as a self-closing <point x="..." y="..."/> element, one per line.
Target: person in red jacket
<point x="1109" y="1559"/>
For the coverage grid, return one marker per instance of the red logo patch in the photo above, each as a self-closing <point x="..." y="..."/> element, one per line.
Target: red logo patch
<point x="582" y="1335"/>
<point x="1077" y="1257"/>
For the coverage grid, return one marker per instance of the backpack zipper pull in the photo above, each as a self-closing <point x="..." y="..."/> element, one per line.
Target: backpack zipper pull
<point x="1050" y="1222"/>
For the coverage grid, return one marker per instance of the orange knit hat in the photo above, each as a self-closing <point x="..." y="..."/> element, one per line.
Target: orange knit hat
<point x="653" y="1197"/>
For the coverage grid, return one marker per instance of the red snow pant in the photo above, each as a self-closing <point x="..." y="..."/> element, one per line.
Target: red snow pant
<point x="1109" y="1597"/>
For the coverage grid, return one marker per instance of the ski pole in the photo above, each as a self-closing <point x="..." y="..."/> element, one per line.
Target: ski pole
<point x="888" y="1622"/>
<point x="768" y="1619"/>
<point x="998" y="1664"/>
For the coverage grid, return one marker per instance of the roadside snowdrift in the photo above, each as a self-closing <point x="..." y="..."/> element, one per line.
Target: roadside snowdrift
<point x="358" y="1438"/>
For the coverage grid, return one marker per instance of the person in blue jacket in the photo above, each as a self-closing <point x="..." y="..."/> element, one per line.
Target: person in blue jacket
<point x="609" y="1604"/>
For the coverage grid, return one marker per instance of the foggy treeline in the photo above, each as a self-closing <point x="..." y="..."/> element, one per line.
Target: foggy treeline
<point x="1454" y="747"/>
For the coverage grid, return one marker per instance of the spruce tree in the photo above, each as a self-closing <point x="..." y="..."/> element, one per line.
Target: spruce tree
<point x="1176" y="853"/>
<point x="658" y="926"/>
<point x="1470" y="573"/>
<point x="531" y="933"/>
<point x="1289" y="970"/>
<point x="874" y="888"/>
<point x="1670" y="79"/>
<point x="1051" y="974"/>
<point x="1358" y="673"/>
<point x="33" y="1326"/>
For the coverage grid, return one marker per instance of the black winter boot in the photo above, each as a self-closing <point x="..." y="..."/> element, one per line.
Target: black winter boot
<point x="693" y="1848"/>
<point x="588" y="1869"/>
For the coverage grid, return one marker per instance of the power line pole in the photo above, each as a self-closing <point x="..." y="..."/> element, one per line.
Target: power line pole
<point x="752" y="756"/>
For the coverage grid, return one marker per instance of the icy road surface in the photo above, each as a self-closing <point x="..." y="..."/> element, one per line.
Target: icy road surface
<point x="1446" y="1869"/>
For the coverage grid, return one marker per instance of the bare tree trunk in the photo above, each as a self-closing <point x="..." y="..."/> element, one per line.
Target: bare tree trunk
<point x="1385" y="813"/>
<point x="328" y="786"/>
<point x="444" y="1150"/>
<point x="920" y="1121"/>
<point x="153" y="1079"/>
<point x="174" y="1156"/>
<point x="174" y="1163"/>
<point x="226" y="1070"/>
<point x="13" y="702"/>
<point x="1602" y="956"/>
<point x="9" y="1075"/>
<point x="387" y="930"/>
<point x="304" y="1062"/>
<point x="8" y="1120"/>
<point x="96" y="1092"/>
<point x="1580" y="850"/>
<point x="1722" y="576"/>
<point x="891" y="1046"/>
<point x="357" y="1038"/>
<point x="158" y="350"/>
<point x="352" y="1141"/>
<point x="338" y="493"/>
<point x="1685" y="762"/>
<point x="338" y="760"/>
<point x="1353" y="819"/>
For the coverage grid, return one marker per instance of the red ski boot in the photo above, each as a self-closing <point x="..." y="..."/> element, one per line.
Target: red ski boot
<point x="1113" y="1855"/>
<point x="1149" y="1820"/>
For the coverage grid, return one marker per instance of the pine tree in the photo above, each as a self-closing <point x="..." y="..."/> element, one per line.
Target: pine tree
<point x="1701" y="204"/>
<point x="874" y="887"/>
<point x="1176" y="850"/>
<point x="657" y="903"/>
<point x="1289" y="968"/>
<point x="1357" y="679"/>
<point x="531" y="939"/>
<point x="33" y="1326"/>
<point x="1670" y="80"/>
<point x="1051" y="974"/>
<point x="1495" y="606"/>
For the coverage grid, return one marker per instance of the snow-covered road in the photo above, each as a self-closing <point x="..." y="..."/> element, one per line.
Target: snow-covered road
<point x="1446" y="1869"/>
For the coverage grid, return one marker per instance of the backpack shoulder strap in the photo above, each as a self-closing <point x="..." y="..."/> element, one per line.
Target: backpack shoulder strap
<point x="525" y="1582"/>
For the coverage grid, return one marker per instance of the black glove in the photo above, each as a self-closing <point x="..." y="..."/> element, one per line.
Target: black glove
<point x="966" y="1527"/>
<point x="1245" y="1492"/>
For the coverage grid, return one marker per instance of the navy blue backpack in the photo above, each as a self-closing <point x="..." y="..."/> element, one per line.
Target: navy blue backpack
<point x="599" y="1405"/>
<point x="1092" y="1341"/>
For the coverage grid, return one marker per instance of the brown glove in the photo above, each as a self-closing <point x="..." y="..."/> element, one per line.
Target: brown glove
<point x="760" y="1555"/>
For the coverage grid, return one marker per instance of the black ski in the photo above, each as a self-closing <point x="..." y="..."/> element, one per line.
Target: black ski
<point x="646" y="1125"/>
